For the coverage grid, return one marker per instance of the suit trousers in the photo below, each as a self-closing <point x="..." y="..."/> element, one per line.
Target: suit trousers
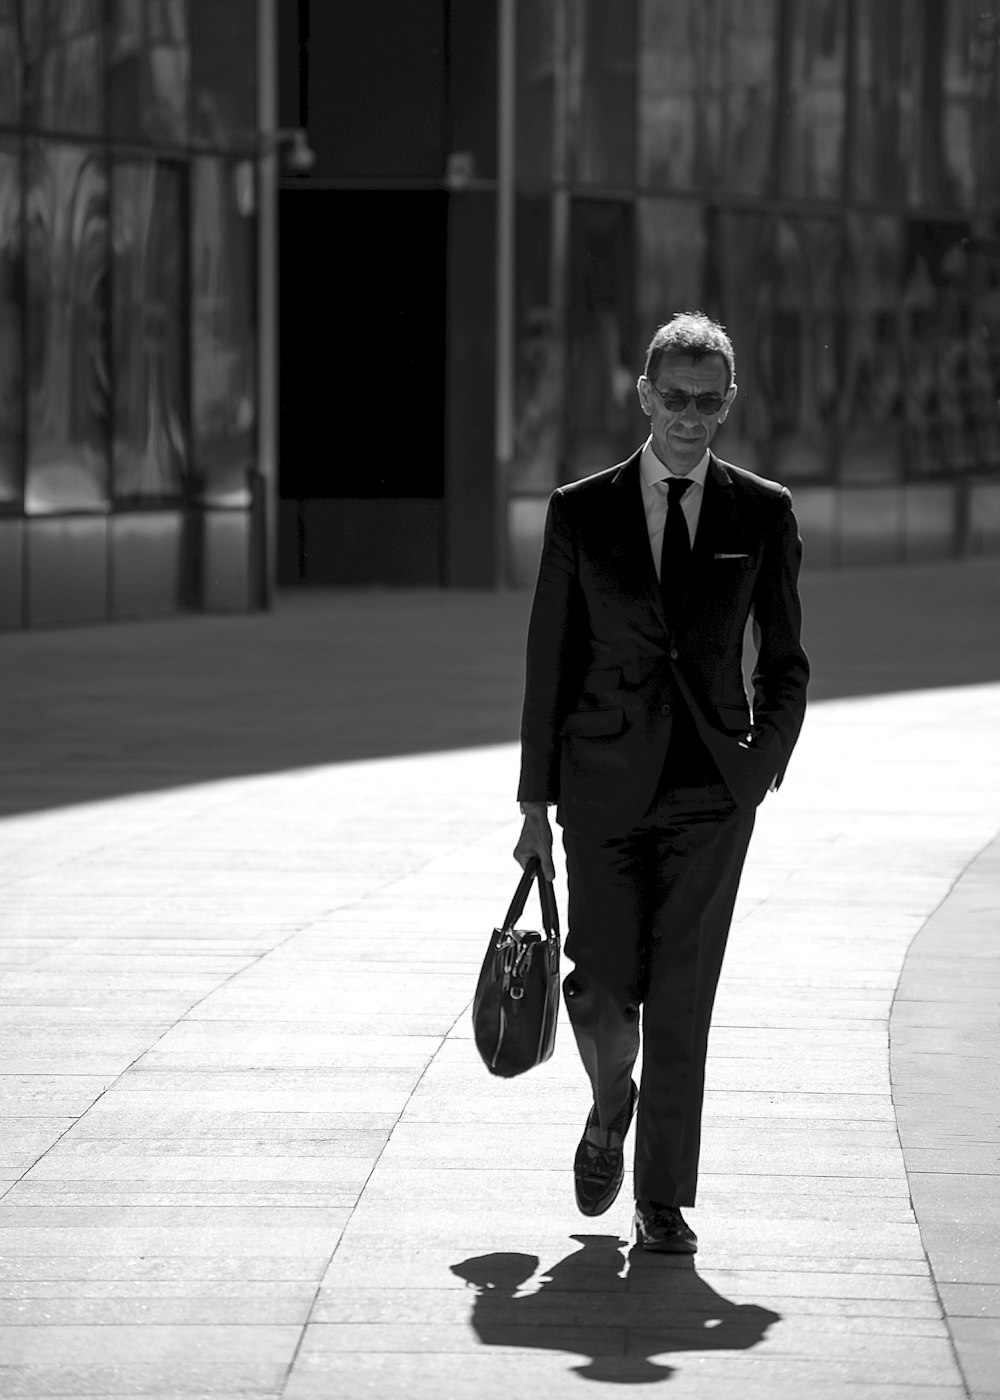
<point x="649" y="917"/>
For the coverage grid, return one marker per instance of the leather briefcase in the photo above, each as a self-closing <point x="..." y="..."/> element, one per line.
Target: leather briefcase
<point x="516" y="1004"/>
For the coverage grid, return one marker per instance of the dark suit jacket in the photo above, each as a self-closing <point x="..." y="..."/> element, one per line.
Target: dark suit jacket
<point x="603" y="674"/>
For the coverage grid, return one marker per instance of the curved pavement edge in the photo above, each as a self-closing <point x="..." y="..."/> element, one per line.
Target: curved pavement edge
<point x="944" y="1074"/>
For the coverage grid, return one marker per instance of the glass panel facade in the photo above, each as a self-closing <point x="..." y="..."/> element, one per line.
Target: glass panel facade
<point x="950" y="319"/>
<point x="947" y="148"/>
<point x="223" y="337"/>
<point x="10" y="63"/>
<point x="539" y="353"/>
<point x="886" y="86"/>
<point x="11" y="374"/>
<point x="536" y="87"/>
<point x="802" y="348"/>
<point x="66" y="207"/>
<point x="871" y="399"/>
<point x="149" y="69"/>
<point x="776" y="283"/>
<point x="600" y="386"/>
<point x="671" y="84"/>
<point x="671" y="235"/>
<point x="63" y="56"/>
<point x="960" y="103"/>
<point x="984" y="61"/>
<point x="740" y="273"/>
<point x="865" y="337"/>
<point x="128" y="275"/>
<point x="223" y="71"/>
<point x="149" y="447"/>
<point x="605" y="144"/>
<point x="741" y="71"/>
<point x="814" y="117"/>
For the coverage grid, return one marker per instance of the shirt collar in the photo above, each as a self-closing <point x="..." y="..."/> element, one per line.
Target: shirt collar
<point x="653" y="469"/>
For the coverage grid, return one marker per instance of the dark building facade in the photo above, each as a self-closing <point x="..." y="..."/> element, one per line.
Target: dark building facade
<point x="507" y="197"/>
<point x="822" y="175"/>
<point x="130" y="448"/>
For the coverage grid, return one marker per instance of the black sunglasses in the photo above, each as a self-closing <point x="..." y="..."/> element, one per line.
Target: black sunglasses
<point x="676" y="401"/>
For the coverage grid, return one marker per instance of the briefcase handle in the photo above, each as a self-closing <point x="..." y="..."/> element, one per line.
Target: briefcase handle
<point x="550" y="915"/>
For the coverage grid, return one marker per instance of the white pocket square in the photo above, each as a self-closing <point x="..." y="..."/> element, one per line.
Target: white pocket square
<point x="730" y="556"/>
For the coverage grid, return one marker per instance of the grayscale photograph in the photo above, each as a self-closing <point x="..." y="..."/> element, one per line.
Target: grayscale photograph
<point x="499" y="699"/>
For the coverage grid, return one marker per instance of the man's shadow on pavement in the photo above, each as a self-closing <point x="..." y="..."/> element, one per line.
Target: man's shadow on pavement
<point x="620" y="1318"/>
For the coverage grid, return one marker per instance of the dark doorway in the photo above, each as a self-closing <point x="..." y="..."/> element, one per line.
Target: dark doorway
<point x="362" y="383"/>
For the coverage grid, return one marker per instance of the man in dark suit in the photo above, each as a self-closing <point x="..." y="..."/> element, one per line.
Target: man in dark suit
<point x="636" y="722"/>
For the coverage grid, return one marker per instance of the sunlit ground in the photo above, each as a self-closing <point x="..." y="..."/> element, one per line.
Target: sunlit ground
<point x="247" y="1140"/>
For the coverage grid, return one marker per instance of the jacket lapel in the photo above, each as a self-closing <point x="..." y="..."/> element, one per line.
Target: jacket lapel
<point x="718" y="530"/>
<point x="634" y="559"/>
<point x="718" y="524"/>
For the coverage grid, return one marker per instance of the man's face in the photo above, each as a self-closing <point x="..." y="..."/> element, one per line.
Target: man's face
<point x="681" y="435"/>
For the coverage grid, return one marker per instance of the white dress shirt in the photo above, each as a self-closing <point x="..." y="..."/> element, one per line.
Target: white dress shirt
<point x="654" y="476"/>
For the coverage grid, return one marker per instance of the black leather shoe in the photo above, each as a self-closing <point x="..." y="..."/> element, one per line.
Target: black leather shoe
<point x="599" y="1166"/>
<point x="663" y="1230"/>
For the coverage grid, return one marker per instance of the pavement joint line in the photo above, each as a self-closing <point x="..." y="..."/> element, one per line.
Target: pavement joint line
<point x="121" y="1075"/>
<point x="308" y="1320"/>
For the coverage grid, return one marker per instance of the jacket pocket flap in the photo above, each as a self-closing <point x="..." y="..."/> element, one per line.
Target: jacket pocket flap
<point x="594" y="722"/>
<point x="734" y="716"/>
<point x="603" y="678"/>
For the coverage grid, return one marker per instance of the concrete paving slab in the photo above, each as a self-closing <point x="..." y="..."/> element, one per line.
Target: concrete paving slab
<point x="187" y="1311"/>
<point x="971" y="1299"/>
<point x="281" y="1141"/>
<point x="958" y="1195"/>
<point x="47" y="1095"/>
<point x="187" y="1195"/>
<point x="276" y="914"/>
<point x="579" y="1307"/>
<point x="955" y="1157"/>
<point x="189" y="1272"/>
<point x="535" y="1375"/>
<point x="106" y="1121"/>
<point x="151" y="1168"/>
<point x="375" y="1265"/>
<point x="47" y="1392"/>
<point x="851" y="1357"/>
<point x="134" y="1358"/>
<point x="355" y="1105"/>
<point x="225" y="1237"/>
<point x="188" y="1289"/>
<point x="978" y="1343"/>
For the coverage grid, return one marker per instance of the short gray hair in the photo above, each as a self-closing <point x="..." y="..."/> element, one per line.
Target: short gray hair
<point x="695" y="335"/>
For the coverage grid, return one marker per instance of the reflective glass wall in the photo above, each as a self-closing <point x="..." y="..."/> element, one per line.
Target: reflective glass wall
<point x="128" y="226"/>
<point x="822" y="176"/>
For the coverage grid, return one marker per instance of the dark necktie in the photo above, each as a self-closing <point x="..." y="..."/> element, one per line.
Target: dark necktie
<point x="676" y="552"/>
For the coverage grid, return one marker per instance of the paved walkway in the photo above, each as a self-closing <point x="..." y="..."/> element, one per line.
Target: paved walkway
<point x="247" y="867"/>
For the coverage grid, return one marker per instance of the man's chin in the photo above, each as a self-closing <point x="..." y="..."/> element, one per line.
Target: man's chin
<point x="684" y="457"/>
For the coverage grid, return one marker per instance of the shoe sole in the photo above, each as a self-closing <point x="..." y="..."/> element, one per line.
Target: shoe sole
<point x="663" y="1246"/>
<point x="673" y="1248"/>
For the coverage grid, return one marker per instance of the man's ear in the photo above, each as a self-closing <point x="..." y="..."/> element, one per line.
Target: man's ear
<point x="642" y="391"/>
<point x="730" y="396"/>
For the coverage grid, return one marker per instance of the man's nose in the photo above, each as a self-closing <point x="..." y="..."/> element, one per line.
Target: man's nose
<point x="690" y="414"/>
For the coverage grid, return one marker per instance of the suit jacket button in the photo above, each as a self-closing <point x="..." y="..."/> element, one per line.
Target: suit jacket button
<point x="664" y="709"/>
<point x="674" y="654"/>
